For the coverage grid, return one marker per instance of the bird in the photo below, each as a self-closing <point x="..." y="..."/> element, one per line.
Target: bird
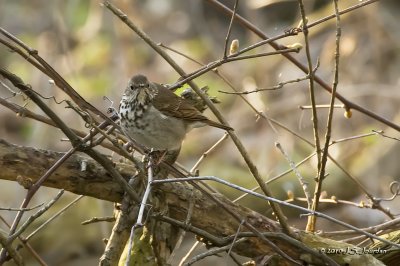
<point x="157" y="118"/>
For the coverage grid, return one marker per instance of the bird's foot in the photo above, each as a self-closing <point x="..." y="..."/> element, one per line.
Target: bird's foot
<point x="158" y="156"/>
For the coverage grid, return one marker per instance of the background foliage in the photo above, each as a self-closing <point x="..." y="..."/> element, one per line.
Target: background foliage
<point x="97" y="55"/>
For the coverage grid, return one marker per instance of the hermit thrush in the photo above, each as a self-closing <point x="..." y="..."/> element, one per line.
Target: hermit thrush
<point x="156" y="117"/>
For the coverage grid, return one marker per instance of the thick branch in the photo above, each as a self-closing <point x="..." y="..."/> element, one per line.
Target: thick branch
<point x="24" y="163"/>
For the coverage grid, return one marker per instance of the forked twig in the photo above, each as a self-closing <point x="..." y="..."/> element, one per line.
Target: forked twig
<point x="322" y="160"/>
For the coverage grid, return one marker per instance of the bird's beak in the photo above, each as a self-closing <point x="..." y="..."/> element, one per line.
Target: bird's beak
<point x="142" y="95"/>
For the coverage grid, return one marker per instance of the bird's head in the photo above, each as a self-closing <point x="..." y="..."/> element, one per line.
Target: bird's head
<point x="139" y="88"/>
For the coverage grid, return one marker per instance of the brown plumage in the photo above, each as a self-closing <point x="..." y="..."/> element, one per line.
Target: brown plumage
<point x="156" y="117"/>
<point x="171" y="104"/>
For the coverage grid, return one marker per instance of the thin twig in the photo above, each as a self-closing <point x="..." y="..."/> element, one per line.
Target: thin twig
<point x="236" y="236"/>
<point x="303" y="182"/>
<point x="336" y="201"/>
<point x="60" y="212"/>
<point x="385" y="136"/>
<point x="276" y="177"/>
<point x="311" y="222"/>
<point x="206" y="153"/>
<point x="228" y="34"/>
<point x="314" y="118"/>
<point x="21" y="210"/>
<point x="192" y="248"/>
<point x="355" y="137"/>
<point x="182" y="232"/>
<point x="371" y="229"/>
<point x="109" y="219"/>
<point x="210" y="252"/>
<point x="344" y="11"/>
<point x="26" y="89"/>
<point x="319" y="106"/>
<point x="143" y="204"/>
<point x="280" y="85"/>
<point x="33" y="217"/>
<point x="321" y="171"/>
<point x="281" y="51"/>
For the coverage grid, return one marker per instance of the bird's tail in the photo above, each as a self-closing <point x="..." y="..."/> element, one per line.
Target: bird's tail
<point x="218" y="125"/>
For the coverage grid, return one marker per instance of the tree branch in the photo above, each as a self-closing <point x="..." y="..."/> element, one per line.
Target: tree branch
<point x="96" y="182"/>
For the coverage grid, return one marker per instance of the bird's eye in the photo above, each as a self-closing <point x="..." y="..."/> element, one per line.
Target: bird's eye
<point x="132" y="87"/>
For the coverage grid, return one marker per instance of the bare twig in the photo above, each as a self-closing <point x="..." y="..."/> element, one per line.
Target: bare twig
<point x="281" y="51"/>
<point x="56" y="215"/>
<point x="184" y="258"/>
<point x="385" y="136"/>
<point x="322" y="160"/>
<point x="21" y="210"/>
<point x="302" y="181"/>
<point x="228" y="34"/>
<point x="318" y="106"/>
<point x="236" y="236"/>
<point x="314" y="118"/>
<point x="33" y="217"/>
<point x="109" y="219"/>
<point x="276" y="87"/>
<point x="206" y="153"/>
<point x="371" y="229"/>
<point x="277" y="176"/>
<point x="211" y="252"/>
<point x="143" y="204"/>
<point x="182" y="232"/>
<point x="355" y="137"/>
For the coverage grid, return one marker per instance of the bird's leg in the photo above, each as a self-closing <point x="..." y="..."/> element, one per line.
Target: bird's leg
<point x="158" y="156"/>
<point x="168" y="156"/>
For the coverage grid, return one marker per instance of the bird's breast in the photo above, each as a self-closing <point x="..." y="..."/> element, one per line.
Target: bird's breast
<point x="150" y="127"/>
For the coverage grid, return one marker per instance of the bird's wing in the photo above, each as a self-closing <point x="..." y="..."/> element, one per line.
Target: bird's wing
<point x="170" y="104"/>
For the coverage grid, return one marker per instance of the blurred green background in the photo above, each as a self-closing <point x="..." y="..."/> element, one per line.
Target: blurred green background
<point x="97" y="54"/>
